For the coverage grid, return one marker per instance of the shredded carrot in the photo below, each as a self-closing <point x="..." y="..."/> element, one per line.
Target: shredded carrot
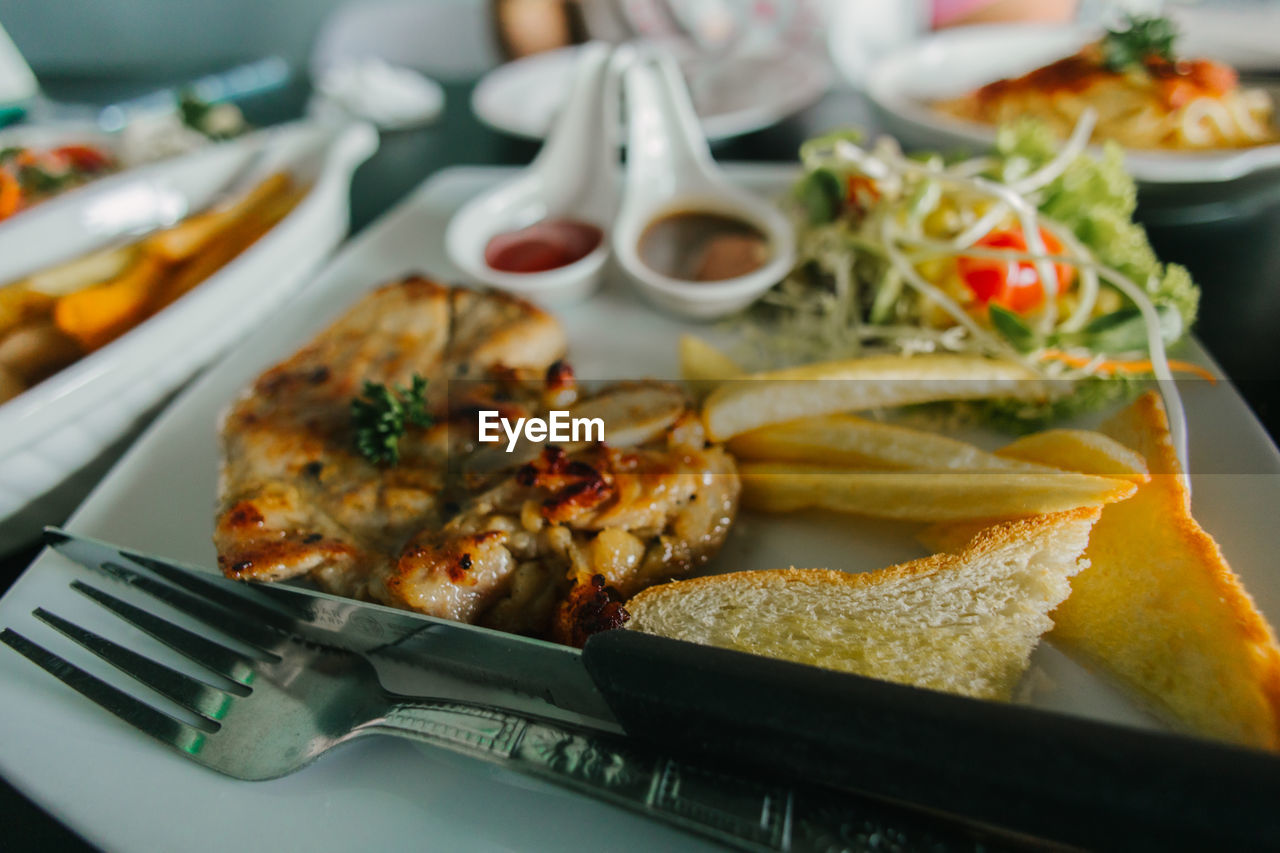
<point x="1112" y="366"/>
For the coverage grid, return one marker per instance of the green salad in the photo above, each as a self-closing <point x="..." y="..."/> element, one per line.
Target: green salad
<point x="1029" y="254"/>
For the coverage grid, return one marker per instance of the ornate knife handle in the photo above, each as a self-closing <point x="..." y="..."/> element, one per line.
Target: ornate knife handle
<point x="744" y="812"/>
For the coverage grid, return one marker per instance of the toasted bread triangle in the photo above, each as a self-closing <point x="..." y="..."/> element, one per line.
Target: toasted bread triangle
<point x="1160" y="610"/>
<point x="965" y="623"/>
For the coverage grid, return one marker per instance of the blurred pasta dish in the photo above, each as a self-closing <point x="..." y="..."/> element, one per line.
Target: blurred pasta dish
<point x="1144" y="95"/>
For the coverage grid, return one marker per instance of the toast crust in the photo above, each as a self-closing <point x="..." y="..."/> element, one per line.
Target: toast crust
<point x="988" y="540"/>
<point x="1209" y="664"/>
<point x="962" y="623"/>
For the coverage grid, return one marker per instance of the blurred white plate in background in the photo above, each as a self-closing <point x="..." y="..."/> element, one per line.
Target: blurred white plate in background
<point x="733" y="96"/>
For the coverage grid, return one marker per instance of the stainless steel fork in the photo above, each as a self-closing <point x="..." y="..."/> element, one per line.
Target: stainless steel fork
<point x="281" y="701"/>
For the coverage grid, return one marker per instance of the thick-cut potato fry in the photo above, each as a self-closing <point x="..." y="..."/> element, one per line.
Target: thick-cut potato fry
<point x="701" y="362"/>
<point x="194" y="234"/>
<point x="86" y="271"/>
<point x="19" y="306"/>
<point x="36" y="350"/>
<point x="922" y="496"/>
<point x="101" y="313"/>
<point x="212" y="258"/>
<point x="1066" y="449"/>
<point x="859" y="384"/>
<point x="849" y="440"/>
<point x="1079" y="450"/>
<point x="10" y="385"/>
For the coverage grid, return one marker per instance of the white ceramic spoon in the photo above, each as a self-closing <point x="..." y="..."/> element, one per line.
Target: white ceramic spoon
<point x="573" y="176"/>
<point x="670" y="170"/>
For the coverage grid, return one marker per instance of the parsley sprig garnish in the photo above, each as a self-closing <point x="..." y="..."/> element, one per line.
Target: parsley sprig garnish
<point x="380" y="416"/>
<point x="1143" y="37"/>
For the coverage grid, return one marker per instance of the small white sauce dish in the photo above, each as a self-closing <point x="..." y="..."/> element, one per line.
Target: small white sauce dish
<point x="573" y="176"/>
<point x="670" y="171"/>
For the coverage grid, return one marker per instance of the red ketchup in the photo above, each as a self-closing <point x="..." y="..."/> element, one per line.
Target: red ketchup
<point x="546" y="245"/>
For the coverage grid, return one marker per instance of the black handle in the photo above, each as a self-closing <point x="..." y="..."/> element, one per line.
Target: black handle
<point x="1033" y="772"/>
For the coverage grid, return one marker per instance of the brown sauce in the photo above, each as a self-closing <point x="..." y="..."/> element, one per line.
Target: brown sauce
<point x="697" y="245"/>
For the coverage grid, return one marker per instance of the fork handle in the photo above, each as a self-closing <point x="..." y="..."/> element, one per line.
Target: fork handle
<point x="741" y="811"/>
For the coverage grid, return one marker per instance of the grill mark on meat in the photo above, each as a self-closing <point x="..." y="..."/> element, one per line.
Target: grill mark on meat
<point x="244" y="515"/>
<point x="588" y="609"/>
<point x="575" y="499"/>
<point x="560" y="376"/>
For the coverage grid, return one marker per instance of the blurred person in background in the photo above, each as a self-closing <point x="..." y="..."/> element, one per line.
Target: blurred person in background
<point x="952" y="13"/>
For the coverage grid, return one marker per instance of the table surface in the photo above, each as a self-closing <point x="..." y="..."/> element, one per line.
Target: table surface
<point x="1233" y="253"/>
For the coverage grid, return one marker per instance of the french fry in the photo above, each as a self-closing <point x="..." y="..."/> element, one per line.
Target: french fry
<point x="20" y="305"/>
<point x="848" y="440"/>
<point x="922" y="496"/>
<point x="192" y="235"/>
<point x="701" y="362"/>
<point x="859" y="384"/>
<point x="93" y="268"/>
<point x="34" y="351"/>
<point x="10" y="385"/>
<point x="99" y="314"/>
<point x="212" y="258"/>
<point x="1079" y="450"/>
<point x="1082" y="451"/>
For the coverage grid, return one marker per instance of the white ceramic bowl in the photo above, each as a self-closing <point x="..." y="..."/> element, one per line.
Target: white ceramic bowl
<point x="706" y="300"/>
<point x="54" y="429"/>
<point x="510" y="207"/>
<point x="952" y="63"/>
<point x="572" y="177"/>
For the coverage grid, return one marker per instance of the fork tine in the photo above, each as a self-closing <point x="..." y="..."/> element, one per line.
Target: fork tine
<point x="214" y="616"/>
<point x="196" y="696"/>
<point x="236" y="595"/>
<point x="136" y="713"/>
<point x="217" y="657"/>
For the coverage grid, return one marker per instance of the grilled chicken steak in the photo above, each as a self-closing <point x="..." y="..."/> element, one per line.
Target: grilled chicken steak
<point x="543" y="540"/>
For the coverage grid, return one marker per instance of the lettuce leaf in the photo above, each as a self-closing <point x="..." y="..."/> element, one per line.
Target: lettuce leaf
<point x="1095" y="197"/>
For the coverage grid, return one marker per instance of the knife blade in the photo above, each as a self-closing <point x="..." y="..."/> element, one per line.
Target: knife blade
<point x="492" y="660"/>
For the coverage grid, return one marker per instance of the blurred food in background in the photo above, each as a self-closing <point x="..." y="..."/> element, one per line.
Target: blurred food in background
<point x="1145" y="94"/>
<point x="29" y="175"/>
<point x="51" y="318"/>
<point x="526" y="27"/>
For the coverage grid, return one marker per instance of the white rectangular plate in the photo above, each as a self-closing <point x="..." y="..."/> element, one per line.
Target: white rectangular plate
<point x="123" y="791"/>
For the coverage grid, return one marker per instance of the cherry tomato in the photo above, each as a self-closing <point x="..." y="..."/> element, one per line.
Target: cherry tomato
<point x="1010" y="284"/>
<point x="83" y="158"/>
<point x="1213" y="77"/>
<point x="1184" y="82"/>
